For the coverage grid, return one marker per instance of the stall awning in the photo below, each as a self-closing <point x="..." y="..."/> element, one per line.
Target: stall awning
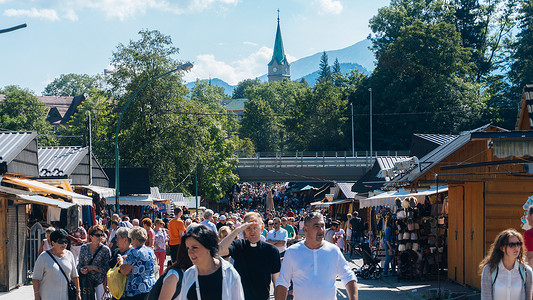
<point x="104" y="192"/>
<point x="39" y="187"/>
<point x="387" y="198"/>
<point x="327" y="204"/>
<point x="144" y="200"/>
<point x="36" y="199"/>
<point x="28" y="197"/>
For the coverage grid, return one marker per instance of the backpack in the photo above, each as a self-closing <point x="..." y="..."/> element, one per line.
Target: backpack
<point x="156" y="289"/>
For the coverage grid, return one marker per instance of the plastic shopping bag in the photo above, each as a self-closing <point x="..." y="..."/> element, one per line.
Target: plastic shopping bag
<point x="116" y="282"/>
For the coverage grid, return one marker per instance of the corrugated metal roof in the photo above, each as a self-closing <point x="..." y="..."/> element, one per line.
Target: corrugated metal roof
<point x="13" y="142"/>
<point x="436" y="156"/>
<point x="346" y="188"/>
<point x="387" y="162"/>
<point x="174" y="197"/>
<point x="439" y="139"/>
<point x="60" y="161"/>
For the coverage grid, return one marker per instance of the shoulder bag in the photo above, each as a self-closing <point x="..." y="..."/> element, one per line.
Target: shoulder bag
<point x="71" y="288"/>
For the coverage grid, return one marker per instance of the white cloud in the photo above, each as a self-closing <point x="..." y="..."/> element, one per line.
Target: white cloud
<point x="206" y="65"/>
<point x="71" y="15"/>
<point x="45" y="14"/>
<point x="250" y="43"/>
<point x="116" y="9"/>
<point x="330" y="6"/>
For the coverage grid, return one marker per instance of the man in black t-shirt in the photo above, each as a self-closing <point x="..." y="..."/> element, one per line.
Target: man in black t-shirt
<point x="357" y="227"/>
<point x="257" y="262"/>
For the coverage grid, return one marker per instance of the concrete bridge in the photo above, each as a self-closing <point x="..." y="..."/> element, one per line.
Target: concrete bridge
<point x="309" y="166"/>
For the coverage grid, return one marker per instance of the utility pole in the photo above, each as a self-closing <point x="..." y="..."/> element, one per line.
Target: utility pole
<point x="371" y="149"/>
<point x="353" y="134"/>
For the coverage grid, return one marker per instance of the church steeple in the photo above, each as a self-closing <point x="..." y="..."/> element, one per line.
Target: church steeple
<point x="278" y="67"/>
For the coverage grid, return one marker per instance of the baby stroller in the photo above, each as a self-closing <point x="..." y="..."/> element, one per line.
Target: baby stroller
<point x="408" y="266"/>
<point x="371" y="268"/>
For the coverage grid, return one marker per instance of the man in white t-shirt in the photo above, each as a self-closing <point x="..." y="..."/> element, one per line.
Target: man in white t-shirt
<point x="313" y="266"/>
<point x="278" y="236"/>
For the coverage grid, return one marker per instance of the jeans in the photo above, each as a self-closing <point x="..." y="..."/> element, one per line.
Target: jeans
<point x="388" y="259"/>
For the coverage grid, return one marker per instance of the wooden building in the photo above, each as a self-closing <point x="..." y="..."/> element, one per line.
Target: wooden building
<point x="18" y="154"/>
<point x="488" y="180"/>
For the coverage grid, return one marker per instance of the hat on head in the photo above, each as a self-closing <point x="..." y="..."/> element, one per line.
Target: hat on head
<point x="222" y="217"/>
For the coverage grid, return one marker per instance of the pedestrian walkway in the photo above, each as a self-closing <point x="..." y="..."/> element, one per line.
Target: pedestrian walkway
<point x="385" y="288"/>
<point x="389" y="288"/>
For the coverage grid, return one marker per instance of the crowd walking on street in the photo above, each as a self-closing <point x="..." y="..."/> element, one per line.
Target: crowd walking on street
<point x="289" y="252"/>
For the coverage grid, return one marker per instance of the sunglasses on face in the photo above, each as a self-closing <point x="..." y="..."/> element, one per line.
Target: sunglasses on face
<point x="98" y="235"/>
<point x="513" y="245"/>
<point x="62" y="242"/>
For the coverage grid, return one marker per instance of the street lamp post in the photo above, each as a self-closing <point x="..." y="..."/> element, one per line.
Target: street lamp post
<point x="371" y="149"/>
<point x="183" y="67"/>
<point x="353" y="134"/>
<point x="13" y="28"/>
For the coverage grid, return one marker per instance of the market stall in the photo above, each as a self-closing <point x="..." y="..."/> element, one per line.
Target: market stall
<point x="419" y="223"/>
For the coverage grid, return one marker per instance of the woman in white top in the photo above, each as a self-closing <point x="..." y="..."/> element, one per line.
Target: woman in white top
<point x="48" y="280"/>
<point x="172" y="276"/>
<point x="211" y="277"/>
<point x="504" y="274"/>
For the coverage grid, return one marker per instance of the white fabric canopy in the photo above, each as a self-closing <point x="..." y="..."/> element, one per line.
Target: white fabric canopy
<point x="131" y="200"/>
<point x="387" y="198"/>
<point x="104" y="192"/>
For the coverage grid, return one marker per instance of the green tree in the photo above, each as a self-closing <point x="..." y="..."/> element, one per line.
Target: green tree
<point x="240" y="89"/>
<point x="21" y="110"/>
<point x="336" y="67"/>
<point x="318" y="120"/>
<point x="162" y="129"/>
<point x="71" y="85"/>
<point x="260" y="126"/>
<point x="423" y="76"/>
<point x="521" y="71"/>
<point x="103" y="124"/>
<point x="208" y="95"/>
<point x="337" y="74"/>
<point x="390" y="20"/>
<point x="324" y="72"/>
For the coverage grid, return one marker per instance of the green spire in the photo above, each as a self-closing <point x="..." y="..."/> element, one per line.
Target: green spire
<point x="279" y="52"/>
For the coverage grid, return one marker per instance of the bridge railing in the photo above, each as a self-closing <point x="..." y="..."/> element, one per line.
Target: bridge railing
<point x="328" y="154"/>
<point x="304" y="162"/>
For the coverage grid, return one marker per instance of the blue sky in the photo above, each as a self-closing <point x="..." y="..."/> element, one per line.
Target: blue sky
<point x="227" y="39"/>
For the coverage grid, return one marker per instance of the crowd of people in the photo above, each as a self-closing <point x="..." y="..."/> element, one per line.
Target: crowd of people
<point x="239" y="255"/>
<point x="221" y="256"/>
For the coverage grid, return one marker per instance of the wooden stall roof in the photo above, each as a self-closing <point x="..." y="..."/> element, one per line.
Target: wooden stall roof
<point x="457" y="160"/>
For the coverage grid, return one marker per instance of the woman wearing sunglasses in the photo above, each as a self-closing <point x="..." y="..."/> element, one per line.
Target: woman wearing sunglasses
<point x="93" y="264"/>
<point x="504" y="274"/>
<point x="48" y="280"/>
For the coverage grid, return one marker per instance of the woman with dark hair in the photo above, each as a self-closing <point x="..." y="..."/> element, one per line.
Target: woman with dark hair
<point x="93" y="264"/>
<point x="211" y="277"/>
<point x="172" y="275"/>
<point x="504" y="274"/>
<point x="48" y="279"/>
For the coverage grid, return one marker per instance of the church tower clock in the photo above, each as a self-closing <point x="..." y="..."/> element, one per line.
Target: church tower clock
<point x="278" y="67"/>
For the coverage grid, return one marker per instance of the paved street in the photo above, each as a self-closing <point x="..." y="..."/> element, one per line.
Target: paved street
<point x="386" y="288"/>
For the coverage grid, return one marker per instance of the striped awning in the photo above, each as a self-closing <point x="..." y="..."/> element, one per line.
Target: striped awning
<point x="387" y="198"/>
<point x="144" y="200"/>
